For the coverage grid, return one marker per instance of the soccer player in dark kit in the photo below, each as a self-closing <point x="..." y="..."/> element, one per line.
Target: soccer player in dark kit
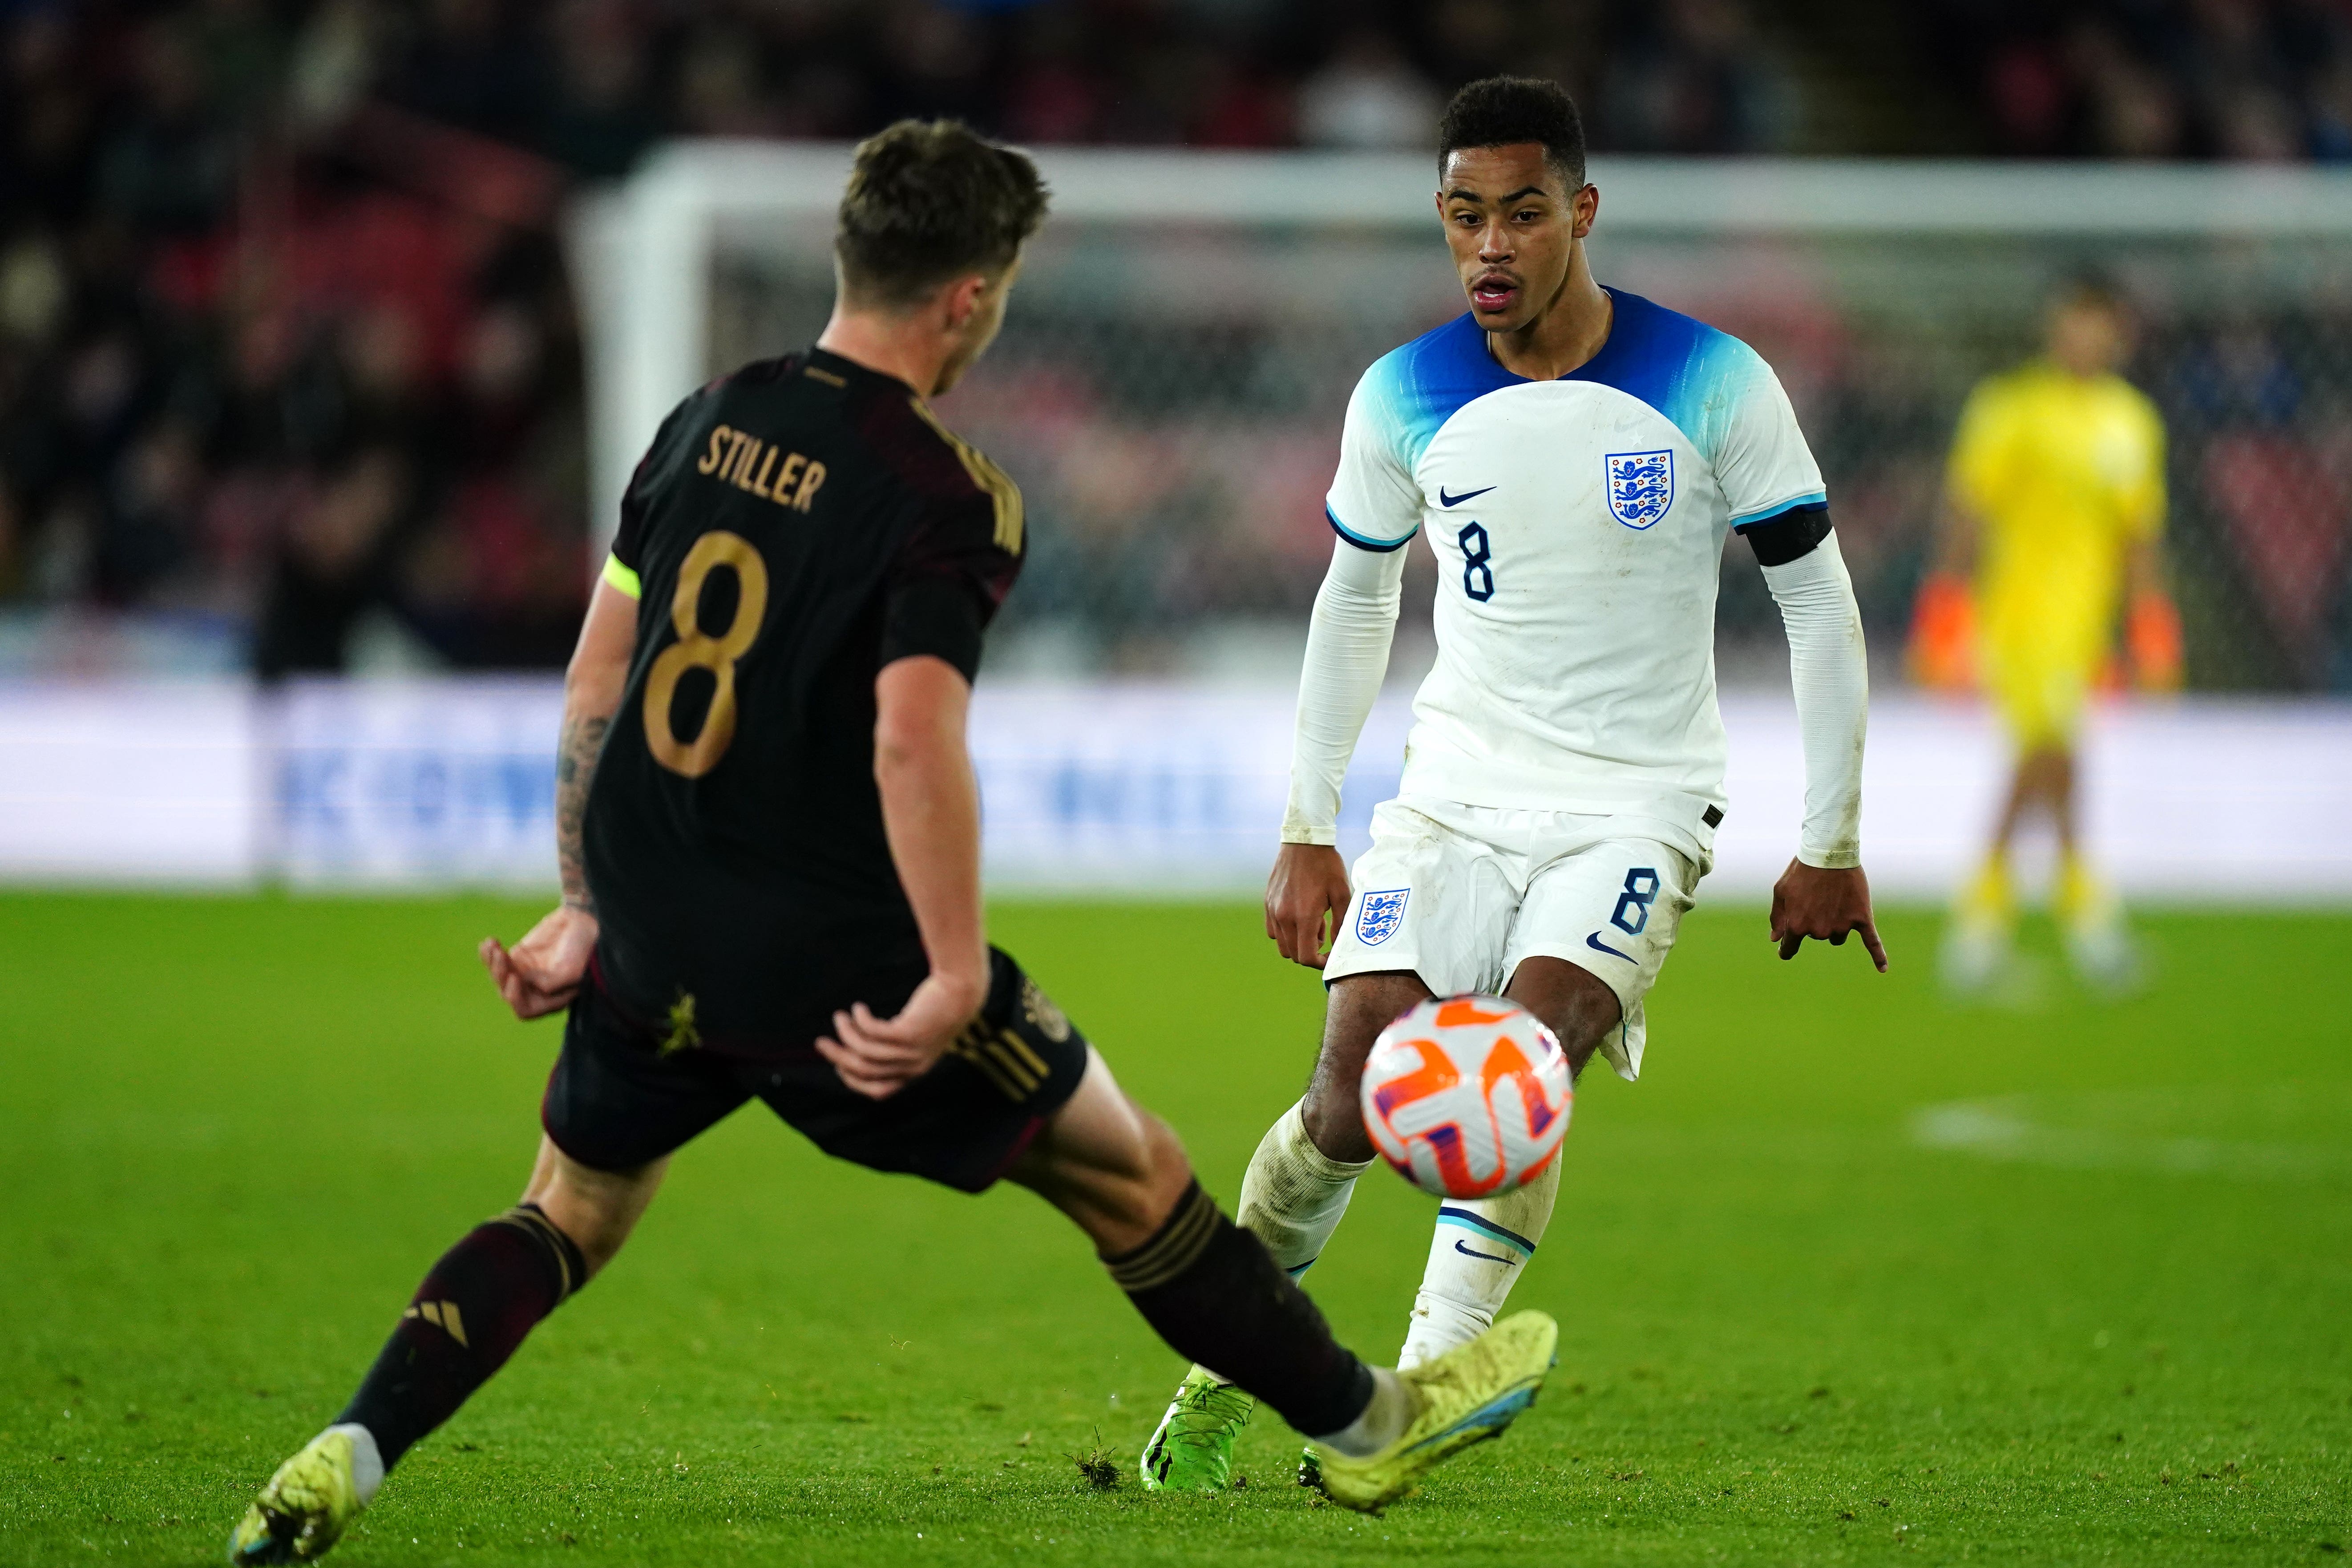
<point x="768" y="835"/>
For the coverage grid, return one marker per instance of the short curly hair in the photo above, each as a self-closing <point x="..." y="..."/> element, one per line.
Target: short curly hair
<point x="928" y="201"/>
<point x="1503" y="111"/>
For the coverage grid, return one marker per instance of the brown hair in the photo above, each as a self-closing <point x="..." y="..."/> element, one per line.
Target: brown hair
<point x="928" y="201"/>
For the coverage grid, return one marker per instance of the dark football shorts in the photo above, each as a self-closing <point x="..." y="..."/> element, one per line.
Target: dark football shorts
<point x="616" y="1100"/>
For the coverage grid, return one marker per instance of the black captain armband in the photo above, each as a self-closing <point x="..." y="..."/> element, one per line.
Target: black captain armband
<point x="1788" y="537"/>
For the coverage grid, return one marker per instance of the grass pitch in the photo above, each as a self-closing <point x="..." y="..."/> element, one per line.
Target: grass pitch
<point x="1855" y="1276"/>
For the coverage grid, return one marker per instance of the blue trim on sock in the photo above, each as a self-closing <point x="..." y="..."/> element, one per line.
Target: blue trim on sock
<point x="1448" y="1215"/>
<point x="1302" y="1269"/>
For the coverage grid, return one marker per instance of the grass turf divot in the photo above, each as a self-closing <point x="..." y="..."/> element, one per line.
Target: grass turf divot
<point x="1097" y="1466"/>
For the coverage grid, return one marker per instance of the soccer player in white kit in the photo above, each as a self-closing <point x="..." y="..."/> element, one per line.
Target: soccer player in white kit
<point x="1575" y="455"/>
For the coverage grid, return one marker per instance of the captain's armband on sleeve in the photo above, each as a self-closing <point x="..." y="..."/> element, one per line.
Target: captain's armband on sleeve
<point x="622" y="578"/>
<point x="1788" y="536"/>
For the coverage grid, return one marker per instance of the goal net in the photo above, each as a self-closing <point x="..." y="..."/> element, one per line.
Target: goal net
<point x="1171" y="382"/>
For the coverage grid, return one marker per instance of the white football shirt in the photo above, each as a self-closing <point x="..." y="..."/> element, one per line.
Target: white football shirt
<point x="1578" y="527"/>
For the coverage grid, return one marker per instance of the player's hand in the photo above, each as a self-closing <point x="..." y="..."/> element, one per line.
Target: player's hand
<point x="545" y="970"/>
<point x="1825" y="904"/>
<point x="1308" y="885"/>
<point x="879" y="1056"/>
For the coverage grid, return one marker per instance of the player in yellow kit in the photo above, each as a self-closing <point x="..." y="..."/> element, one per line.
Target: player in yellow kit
<point x="2056" y="507"/>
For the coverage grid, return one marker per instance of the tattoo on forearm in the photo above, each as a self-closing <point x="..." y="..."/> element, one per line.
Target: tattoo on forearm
<point x="575" y="765"/>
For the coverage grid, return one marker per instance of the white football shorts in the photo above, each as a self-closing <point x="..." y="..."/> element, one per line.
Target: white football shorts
<point x="1461" y="894"/>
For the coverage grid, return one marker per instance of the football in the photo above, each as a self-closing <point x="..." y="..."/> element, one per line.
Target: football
<point x="1467" y="1096"/>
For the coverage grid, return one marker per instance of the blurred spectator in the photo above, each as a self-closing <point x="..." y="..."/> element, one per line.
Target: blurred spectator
<point x="2252" y="79"/>
<point x="597" y="120"/>
<point x="169" y="165"/>
<point x="330" y="559"/>
<point x="1690" y="76"/>
<point x="1366" y="97"/>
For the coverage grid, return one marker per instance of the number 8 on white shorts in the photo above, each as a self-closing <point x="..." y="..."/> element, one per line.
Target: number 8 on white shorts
<point x="1461" y="895"/>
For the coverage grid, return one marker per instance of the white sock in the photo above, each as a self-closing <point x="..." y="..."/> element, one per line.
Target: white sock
<point x="1294" y="1194"/>
<point x="367" y="1461"/>
<point x="1293" y="1197"/>
<point x="1382" y="1421"/>
<point x="1474" y="1258"/>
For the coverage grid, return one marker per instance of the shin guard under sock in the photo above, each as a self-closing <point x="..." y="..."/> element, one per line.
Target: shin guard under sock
<point x="1293" y="1195"/>
<point x="1214" y="1294"/>
<point x="472" y="1310"/>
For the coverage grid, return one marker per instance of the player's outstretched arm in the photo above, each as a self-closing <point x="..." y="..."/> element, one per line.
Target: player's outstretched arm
<point x="543" y="971"/>
<point x="931" y="810"/>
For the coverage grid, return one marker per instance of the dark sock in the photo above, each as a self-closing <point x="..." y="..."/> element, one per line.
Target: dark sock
<point x="1214" y="1294"/>
<point x="467" y="1317"/>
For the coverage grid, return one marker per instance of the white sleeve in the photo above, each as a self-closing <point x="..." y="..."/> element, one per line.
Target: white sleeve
<point x="1375" y="502"/>
<point x="1828" y="665"/>
<point x="1347" y="654"/>
<point x="1760" y="456"/>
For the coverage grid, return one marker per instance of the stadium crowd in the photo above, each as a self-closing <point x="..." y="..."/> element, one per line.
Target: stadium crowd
<point x="286" y="346"/>
<point x="288" y="353"/>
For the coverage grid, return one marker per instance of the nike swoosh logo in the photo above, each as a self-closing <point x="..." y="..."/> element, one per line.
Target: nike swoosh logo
<point x="1445" y="500"/>
<point x="1463" y="1249"/>
<point x="1597" y="946"/>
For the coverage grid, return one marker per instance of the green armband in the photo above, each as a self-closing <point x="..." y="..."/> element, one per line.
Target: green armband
<point x="622" y="578"/>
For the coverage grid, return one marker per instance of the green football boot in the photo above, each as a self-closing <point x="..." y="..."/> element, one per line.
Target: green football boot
<point x="304" y="1510"/>
<point x="1464" y="1396"/>
<point x="1192" y="1451"/>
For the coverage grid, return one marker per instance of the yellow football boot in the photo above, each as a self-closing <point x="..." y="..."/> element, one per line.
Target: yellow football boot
<point x="304" y="1510"/>
<point x="1464" y="1396"/>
